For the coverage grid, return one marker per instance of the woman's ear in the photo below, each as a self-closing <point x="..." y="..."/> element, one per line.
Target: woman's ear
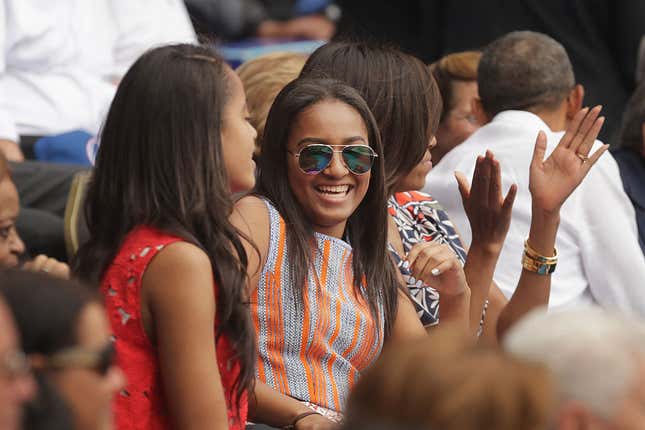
<point x="479" y="112"/>
<point x="574" y="101"/>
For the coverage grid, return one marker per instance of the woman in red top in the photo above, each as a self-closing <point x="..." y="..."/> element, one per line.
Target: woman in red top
<point x="174" y="147"/>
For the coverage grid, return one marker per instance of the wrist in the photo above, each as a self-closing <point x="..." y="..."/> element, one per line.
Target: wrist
<point x="544" y="228"/>
<point x="462" y="295"/>
<point x="299" y="418"/>
<point x="545" y="215"/>
<point x="484" y="251"/>
<point x="297" y="412"/>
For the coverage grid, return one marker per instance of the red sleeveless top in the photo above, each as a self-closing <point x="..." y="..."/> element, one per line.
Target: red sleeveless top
<point x="141" y="405"/>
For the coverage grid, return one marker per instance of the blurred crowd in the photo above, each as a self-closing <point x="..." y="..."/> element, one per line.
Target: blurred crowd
<point x="434" y="219"/>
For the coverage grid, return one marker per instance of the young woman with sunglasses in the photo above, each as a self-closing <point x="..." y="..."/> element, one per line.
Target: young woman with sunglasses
<point x="66" y="336"/>
<point x="175" y="145"/>
<point x="324" y="292"/>
<point x="406" y="103"/>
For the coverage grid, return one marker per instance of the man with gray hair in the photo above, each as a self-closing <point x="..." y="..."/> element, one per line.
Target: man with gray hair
<point x="526" y="84"/>
<point x="597" y="360"/>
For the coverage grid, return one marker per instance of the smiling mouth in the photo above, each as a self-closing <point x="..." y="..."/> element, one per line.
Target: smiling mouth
<point x="334" y="190"/>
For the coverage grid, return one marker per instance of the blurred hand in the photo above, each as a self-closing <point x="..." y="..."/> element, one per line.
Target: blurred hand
<point x="553" y="180"/>
<point x="53" y="267"/>
<point x="438" y="266"/>
<point x="316" y="422"/>
<point x="314" y="27"/>
<point x="488" y="211"/>
<point x="11" y="150"/>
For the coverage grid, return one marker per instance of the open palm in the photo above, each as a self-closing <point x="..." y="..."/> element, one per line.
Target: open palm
<point x="553" y="180"/>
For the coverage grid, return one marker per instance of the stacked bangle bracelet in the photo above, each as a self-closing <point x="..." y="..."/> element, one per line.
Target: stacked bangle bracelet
<point x="536" y="263"/>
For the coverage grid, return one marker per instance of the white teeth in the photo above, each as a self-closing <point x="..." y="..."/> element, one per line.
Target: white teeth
<point x="333" y="189"/>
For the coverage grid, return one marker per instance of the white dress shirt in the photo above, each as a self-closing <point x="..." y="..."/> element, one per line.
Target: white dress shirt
<point x="600" y="260"/>
<point x="61" y="58"/>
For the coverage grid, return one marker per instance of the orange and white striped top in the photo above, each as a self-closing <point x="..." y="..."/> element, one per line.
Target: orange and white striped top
<point x="315" y="349"/>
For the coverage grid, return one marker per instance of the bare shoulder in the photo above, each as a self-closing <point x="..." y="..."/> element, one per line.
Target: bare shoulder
<point x="251" y="218"/>
<point x="250" y="211"/>
<point x="179" y="267"/>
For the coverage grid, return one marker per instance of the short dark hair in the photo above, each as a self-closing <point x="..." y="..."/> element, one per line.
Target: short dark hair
<point x="631" y="128"/>
<point x="524" y="70"/>
<point x="369" y="240"/>
<point x="399" y="90"/>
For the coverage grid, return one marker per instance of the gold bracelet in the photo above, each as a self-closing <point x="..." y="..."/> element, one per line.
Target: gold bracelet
<point x="535" y="262"/>
<point x="528" y="250"/>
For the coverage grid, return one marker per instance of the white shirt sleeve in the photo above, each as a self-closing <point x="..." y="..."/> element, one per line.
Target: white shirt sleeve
<point x="611" y="256"/>
<point x="145" y="24"/>
<point x="7" y="125"/>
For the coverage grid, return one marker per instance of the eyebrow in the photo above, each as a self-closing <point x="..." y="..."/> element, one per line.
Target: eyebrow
<point x="318" y="140"/>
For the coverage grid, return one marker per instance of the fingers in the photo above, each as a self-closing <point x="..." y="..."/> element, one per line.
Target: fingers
<point x="480" y="178"/>
<point x="507" y="206"/>
<point x="594" y="158"/>
<point x="42" y="263"/>
<point x="572" y="129"/>
<point x="495" y="185"/>
<point x="463" y="185"/>
<point x="591" y="137"/>
<point x="539" y="150"/>
<point x="584" y="131"/>
<point x="430" y="259"/>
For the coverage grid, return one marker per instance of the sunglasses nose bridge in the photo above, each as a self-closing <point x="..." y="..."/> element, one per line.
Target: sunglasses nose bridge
<point x="337" y="165"/>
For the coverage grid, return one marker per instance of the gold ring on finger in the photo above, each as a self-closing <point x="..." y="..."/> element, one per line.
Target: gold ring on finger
<point x="582" y="157"/>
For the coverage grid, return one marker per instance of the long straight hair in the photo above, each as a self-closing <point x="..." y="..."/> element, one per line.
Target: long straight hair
<point x="399" y="90"/>
<point x="160" y="164"/>
<point x="369" y="240"/>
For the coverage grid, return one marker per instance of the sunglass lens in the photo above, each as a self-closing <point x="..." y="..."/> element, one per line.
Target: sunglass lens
<point x="315" y="158"/>
<point x="359" y="159"/>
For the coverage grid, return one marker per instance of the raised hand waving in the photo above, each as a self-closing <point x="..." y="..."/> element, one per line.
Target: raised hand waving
<point x="552" y="181"/>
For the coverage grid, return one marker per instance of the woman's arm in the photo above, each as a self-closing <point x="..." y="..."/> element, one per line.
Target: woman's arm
<point x="489" y="215"/>
<point x="178" y="299"/>
<point x="270" y="407"/>
<point x="551" y="182"/>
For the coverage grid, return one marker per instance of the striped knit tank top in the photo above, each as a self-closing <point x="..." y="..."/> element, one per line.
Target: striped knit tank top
<point x="313" y="350"/>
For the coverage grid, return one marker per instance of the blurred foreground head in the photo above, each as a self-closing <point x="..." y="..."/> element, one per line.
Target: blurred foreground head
<point x="445" y="383"/>
<point x="66" y="336"/>
<point x="598" y="361"/>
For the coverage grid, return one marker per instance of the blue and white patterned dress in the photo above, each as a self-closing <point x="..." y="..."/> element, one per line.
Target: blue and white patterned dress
<point x="420" y="218"/>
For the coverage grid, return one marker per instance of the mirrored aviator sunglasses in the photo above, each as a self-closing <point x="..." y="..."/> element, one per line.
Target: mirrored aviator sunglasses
<point x="313" y="159"/>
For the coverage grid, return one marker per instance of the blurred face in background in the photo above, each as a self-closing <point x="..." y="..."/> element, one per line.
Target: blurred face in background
<point x="11" y="246"/>
<point x="90" y="380"/>
<point x="16" y="383"/>
<point x="459" y="121"/>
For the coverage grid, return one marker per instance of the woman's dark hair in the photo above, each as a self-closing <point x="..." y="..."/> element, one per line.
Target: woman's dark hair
<point x="631" y="129"/>
<point x="399" y="90"/>
<point x="46" y="311"/>
<point x="160" y="164"/>
<point x="368" y="240"/>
